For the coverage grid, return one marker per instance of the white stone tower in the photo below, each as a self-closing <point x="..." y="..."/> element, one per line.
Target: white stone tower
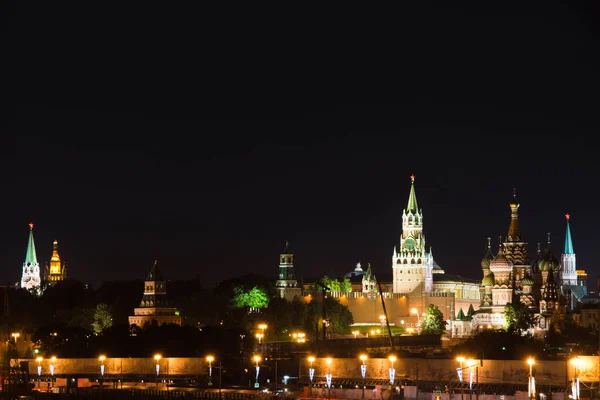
<point x="411" y="264"/>
<point x="567" y="259"/>
<point x="30" y="278"/>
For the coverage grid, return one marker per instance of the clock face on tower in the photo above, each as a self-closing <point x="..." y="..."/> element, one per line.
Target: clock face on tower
<point x="409" y="243"/>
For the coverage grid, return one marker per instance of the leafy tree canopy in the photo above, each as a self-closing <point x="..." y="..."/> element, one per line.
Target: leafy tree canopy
<point x="517" y="318"/>
<point x="433" y="321"/>
<point x="253" y="298"/>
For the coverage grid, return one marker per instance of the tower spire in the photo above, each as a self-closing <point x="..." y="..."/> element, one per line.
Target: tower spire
<point x="412" y="197"/>
<point x="568" y="241"/>
<point x="514" y="232"/>
<point x="30" y="256"/>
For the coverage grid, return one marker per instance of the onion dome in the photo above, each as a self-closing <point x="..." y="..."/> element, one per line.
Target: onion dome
<point x="547" y="261"/>
<point x="485" y="261"/>
<point x="527" y="280"/>
<point x="488" y="280"/>
<point x="500" y="262"/>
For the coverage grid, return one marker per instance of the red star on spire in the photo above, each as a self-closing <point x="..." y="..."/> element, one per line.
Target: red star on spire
<point x="412" y="177"/>
<point x="31" y="225"/>
<point x="567" y="216"/>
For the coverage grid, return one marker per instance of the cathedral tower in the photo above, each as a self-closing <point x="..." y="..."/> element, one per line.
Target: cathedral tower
<point x="56" y="271"/>
<point x="515" y="248"/>
<point x="412" y="265"/>
<point x="286" y="285"/>
<point x="30" y="278"/>
<point x="567" y="259"/>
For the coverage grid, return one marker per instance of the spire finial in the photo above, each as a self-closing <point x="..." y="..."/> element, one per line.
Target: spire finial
<point x="548" y="238"/>
<point x="539" y="249"/>
<point x="31" y="225"/>
<point x="489" y="242"/>
<point x="568" y="216"/>
<point x="515" y="193"/>
<point x="499" y="243"/>
<point x="412" y="178"/>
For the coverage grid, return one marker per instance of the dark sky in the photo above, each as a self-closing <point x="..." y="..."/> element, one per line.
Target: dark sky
<point x="207" y="137"/>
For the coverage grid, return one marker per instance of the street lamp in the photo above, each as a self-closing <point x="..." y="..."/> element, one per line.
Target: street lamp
<point x="52" y="361"/>
<point x="256" y="359"/>
<point x="531" y="386"/>
<point x="392" y="371"/>
<point x="576" y="362"/>
<point x="416" y="312"/>
<point x="311" y="374"/>
<point x="210" y="359"/>
<point x="263" y="328"/>
<point x="355" y="333"/>
<point x="461" y="360"/>
<point x="259" y="336"/>
<point x="363" y="372"/>
<point x="101" y="359"/>
<point x="157" y="358"/>
<point x="328" y="377"/>
<point x="39" y="371"/>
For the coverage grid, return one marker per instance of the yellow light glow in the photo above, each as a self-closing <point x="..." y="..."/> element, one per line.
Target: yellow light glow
<point x="382" y="317"/>
<point x="530" y="361"/>
<point x="39" y="359"/>
<point x="414" y="311"/>
<point x="363" y="357"/>
<point x="210" y="359"/>
<point x="53" y="359"/>
<point x="460" y="359"/>
<point x="102" y="358"/>
<point x="329" y="360"/>
<point x="256" y="358"/>
<point x="392" y="358"/>
<point x="576" y="362"/>
<point x="262" y="326"/>
<point x="157" y="357"/>
<point x="311" y="359"/>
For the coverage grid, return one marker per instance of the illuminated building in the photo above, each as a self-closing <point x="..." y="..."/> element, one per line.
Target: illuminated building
<point x="56" y="271"/>
<point x="30" y="278"/>
<point x="154" y="304"/>
<point x="286" y="283"/>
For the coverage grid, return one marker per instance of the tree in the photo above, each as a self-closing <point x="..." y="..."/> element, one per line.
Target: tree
<point x="102" y="319"/>
<point x="517" y="318"/>
<point x="334" y="285"/>
<point x="253" y="298"/>
<point x="433" y="321"/>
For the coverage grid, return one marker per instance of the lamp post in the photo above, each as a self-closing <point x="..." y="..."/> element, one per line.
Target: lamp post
<point x="257" y="359"/>
<point x="39" y="371"/>
<point x="15" y="335"/>
<point x="210" y="359"/>
<point x="576" y="362"/>
<point x="311" y="375"/>
<point x="259" y="336"/>
<point x="355" y="333"/>
<point x="416" y="312"/>
<point x="263" y="328"/>
<point x="363" y="372"/>
<point x="328" y="377"/>
<point x="392" y="370"/>
<point x="52" y="361"/>
<point x="157" y="358"/>
<point x="461" y="360"/>
<point x="531" y="386"/>
<point x="101" y="359"/>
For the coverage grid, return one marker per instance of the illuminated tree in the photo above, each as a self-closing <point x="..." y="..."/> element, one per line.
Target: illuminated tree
<point x="102" y="318"/>
<point x="433" y="321"/>
<point x="253" y="298"/>
<point x="517" y="318"/>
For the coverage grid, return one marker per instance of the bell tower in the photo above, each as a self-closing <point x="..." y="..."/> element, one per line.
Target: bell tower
<point x="56" y="271"/>
<point x="286" y="284"/>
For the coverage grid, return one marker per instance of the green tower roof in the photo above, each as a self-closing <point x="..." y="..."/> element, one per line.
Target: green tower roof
<point x="471" y="311"/>
<point x="568" y="241"/>
<point x="30" y="257"/>
<point x="460" y="315"/>
<point x="412" y="198"/>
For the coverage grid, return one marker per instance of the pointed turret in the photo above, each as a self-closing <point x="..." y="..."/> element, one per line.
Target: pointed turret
<point x="514" y="232"/>
<point x="30" y="256"/>
<point x="568" y="242"/>
<point x="568" y="276"/>
<point x="412" y="197"/>
<point x="55" y="271"/>
<point x="30" y="278"/>
<point x="460" y="316"/>
<point x="155" y="274"/>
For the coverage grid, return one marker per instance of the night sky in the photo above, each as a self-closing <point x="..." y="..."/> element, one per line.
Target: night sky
<point x="207" y="137"/>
